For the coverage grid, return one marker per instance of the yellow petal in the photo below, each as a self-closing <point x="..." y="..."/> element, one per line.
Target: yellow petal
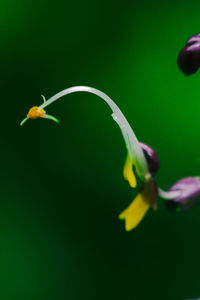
<point x="128" y="172"/>
<point x="135" y="212"/>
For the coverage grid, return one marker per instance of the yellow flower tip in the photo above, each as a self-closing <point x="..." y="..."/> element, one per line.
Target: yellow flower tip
<point x="128" y="226"/>
<point x="36" y="112"/>
<point x="135" y="212"/>
<point x="128" y="172"/>
<point x="126" y="218"/>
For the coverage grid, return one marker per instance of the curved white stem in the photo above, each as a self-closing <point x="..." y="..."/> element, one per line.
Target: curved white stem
<point x="134" y="150"/>
<point x="23" y="121"/>
<point x="168" y="195"/>
<point x="43" y="97"/>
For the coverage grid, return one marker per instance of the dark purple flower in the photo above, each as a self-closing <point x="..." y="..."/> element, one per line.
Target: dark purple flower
<point x="185" y="193"/>
<point x="152" y="159"/>
<point x="189" y="56"/>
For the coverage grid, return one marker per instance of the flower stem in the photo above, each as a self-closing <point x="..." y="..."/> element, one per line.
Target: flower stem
<point x="134" y="150"/>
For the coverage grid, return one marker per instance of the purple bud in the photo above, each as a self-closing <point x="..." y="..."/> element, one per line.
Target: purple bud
<point x="152" y="158"/>
<point x="189" y="56"/>
<point x="189" y="192"/>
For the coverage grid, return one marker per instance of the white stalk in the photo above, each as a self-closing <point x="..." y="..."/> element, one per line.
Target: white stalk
<point x="134" y="150"/>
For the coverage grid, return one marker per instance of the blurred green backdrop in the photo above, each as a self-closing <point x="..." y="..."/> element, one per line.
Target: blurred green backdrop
<point x="61" y="185"/>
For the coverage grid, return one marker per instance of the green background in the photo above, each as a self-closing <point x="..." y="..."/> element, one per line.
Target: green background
<point x="61" y="186"/>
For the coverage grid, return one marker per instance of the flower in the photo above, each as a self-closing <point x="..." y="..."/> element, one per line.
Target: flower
<point x="148" y="193"/>
<point x="139" y="156"/>
<point x="141" y="161"/>
<point x="187" y="193"/>
<point x="189" y="56"/>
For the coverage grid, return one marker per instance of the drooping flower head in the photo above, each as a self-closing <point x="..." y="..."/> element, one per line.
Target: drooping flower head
<point x="142" y="161"/>
<point x="189" y="56"/>
<point x="148" y="193"/>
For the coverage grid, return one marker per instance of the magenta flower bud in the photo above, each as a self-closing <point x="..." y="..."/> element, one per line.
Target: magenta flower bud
<point x="152" y="159"/>
<point x="188" y="193"/>
<point x="189" y="56"/>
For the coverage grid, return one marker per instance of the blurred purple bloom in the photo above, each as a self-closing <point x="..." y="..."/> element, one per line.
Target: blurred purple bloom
<point x="189" y="56"/>
<point x="183" y="194"/>
<point x="188" y="192"/>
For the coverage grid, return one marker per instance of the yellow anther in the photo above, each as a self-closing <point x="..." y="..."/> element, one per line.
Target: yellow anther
<point x="36" y="112"/>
